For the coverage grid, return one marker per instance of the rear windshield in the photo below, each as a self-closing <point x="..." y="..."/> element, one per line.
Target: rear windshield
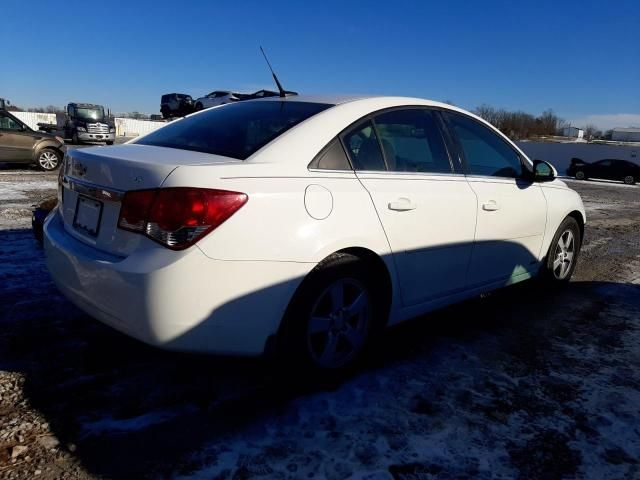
<point x="235" y="130"/>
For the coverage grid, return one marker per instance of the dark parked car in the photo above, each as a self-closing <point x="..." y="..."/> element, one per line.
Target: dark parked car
<point x="21" y="144"/>
<point x="176" y="105"/>
<point x="608" y="169"/>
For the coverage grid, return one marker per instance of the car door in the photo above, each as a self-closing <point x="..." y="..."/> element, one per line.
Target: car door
<point x="426" y="208"/>
<point x="16" y="140"/>
<point x="602" y="169"/>
<point x="511" y="209"/>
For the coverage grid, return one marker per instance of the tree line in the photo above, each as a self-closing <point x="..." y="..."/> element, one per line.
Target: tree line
<point x="519" y="125"/>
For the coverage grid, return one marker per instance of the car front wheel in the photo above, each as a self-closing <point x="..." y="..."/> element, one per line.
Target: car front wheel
<point x="49" y="159"/>
<point x="563" y="252"/>
<point x="580" y="175"/>
<point x="629" y="180"/>
<point x="333" y="315"/>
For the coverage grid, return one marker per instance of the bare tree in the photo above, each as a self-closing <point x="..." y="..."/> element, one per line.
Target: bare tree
<point x="590" y="131"/>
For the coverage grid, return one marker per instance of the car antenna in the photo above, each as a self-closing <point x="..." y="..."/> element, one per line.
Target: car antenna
<point x="283" y="93"/>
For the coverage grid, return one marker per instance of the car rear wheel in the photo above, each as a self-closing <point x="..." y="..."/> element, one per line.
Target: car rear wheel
<point x="563" y="252"/>
<point x="333" y="316"/>
<point x="198" y="107"/>
<point x="629" y="180"/>
<point x="580" y="175"/>
<point x="48" y="159"/>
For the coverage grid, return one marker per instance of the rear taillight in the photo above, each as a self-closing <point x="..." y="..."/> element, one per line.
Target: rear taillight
<point x="177" y="217"/>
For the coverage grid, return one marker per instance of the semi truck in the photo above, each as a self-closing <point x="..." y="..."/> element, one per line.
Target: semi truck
<point x="83" y="122"/>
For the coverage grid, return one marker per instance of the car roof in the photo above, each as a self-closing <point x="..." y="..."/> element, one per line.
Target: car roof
<point x="344" y="99"/>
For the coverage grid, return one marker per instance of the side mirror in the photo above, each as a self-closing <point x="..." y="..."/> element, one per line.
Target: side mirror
<point x="543" y="171"/>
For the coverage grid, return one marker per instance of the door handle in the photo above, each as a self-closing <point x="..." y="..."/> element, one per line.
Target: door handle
<point x="491" y="206"/>
<point x="402" y="205"/>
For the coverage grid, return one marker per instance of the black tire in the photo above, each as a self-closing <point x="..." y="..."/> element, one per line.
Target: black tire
<point x="48" y="159"/>
<point x="629" y="180"/>
<point x="198" y="107"/>
<point x="554" y="270"/>
<point x="109" y="142"/>
<point x="74" y="139"/>
<point x="297" y="347"/>
<point x="580" y="175"/>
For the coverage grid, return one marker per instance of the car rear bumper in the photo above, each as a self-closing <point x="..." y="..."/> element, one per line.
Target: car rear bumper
<point x="174" y="300"/>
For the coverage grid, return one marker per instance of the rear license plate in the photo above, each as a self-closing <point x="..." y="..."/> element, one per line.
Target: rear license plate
<point x="88" y="213"/>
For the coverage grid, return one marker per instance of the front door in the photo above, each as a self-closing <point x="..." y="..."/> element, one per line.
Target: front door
<point x="16" y="140"/>
<point x="512" y="209"/>
<point x="427" y="211"/>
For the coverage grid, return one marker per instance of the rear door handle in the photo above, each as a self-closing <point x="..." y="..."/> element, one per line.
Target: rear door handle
<point x="402" y="205"/>
<point x="491" y="206"/>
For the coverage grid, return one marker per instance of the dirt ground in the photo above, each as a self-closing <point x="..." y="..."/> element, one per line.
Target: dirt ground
<point x="525" y="383"/>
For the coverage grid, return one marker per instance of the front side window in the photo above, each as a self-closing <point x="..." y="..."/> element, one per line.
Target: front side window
<point x="236" y="130"/>
<point x="8" y="123"/>
<point x="412" y="142"/>
<point x="363" y="148"/>
<point x="485" y="152"/>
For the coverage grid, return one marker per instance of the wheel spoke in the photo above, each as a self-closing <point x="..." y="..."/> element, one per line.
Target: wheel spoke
<point x="329" y="349"/>
<point x="357" y="305"/>
<point x="354" y="337"/>
<point x="569" y="257"/>
<point x="556" y="263"/>
<point x="563" y="269"/>
<point x="569" y="241"/>
<point x="319" y="325"/>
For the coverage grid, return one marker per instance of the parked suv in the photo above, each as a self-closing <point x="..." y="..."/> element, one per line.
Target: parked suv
<point x="176" y="105"/>
<point x="21" y="144"/>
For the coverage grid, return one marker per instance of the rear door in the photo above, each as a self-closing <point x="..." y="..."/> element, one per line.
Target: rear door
<point x="16" y="140"/>
<point x="427" y="209"/>
<point x="511" y="211"/>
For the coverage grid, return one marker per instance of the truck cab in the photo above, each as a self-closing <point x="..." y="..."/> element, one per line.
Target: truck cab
<point x="86" y="122"/>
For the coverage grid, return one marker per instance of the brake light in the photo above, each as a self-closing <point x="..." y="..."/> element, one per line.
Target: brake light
<point x="177" y="217"/>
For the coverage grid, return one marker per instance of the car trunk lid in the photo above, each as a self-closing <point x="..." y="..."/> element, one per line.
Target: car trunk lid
<point x="94" y="181"/>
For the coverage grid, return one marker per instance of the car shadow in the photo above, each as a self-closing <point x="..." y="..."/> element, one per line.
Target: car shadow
<point x="127" y="410"/>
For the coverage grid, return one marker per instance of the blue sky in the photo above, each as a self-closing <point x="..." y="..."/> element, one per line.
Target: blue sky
<point x="580" y="58"/>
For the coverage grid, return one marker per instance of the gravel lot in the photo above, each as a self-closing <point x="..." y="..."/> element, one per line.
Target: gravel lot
<point x="525" y="383"/>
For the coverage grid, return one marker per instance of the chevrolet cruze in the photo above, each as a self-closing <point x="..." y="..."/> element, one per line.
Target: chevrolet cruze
<point x="303" y="225"/>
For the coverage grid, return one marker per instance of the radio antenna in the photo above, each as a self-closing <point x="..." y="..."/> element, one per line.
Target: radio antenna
<point x="283" y="93"/>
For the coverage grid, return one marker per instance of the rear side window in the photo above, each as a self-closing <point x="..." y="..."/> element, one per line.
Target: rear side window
<point x="485" y="152"/>
<point x="412" y="141"/>
<point x="331" y="158"/>
<point x="363" y="148"/>
<point x="235" y="130"/>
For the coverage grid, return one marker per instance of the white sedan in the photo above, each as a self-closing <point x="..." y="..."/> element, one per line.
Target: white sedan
<point x="303" y="225"/>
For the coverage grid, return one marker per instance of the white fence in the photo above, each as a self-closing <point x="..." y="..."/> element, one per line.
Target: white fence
<point x="125" y="127"/>
<point x="32" y="119"/>
<point x="128" y="127"/>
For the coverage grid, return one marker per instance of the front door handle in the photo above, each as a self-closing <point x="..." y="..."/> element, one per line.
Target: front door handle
<point x="491" y="206"/>
<point x="402" y="205"/>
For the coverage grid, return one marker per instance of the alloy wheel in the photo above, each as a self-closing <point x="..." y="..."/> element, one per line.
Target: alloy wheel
<point x="628" y="180"/>
<point x="580" y="175"/>
<point x="48" y="160"/>
<point x="339" y="323"/>
<point x="564" y="254"/>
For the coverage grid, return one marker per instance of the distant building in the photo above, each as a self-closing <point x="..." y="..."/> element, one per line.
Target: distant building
<point x="573" y="132"/>
<point x="626" y="134"/>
